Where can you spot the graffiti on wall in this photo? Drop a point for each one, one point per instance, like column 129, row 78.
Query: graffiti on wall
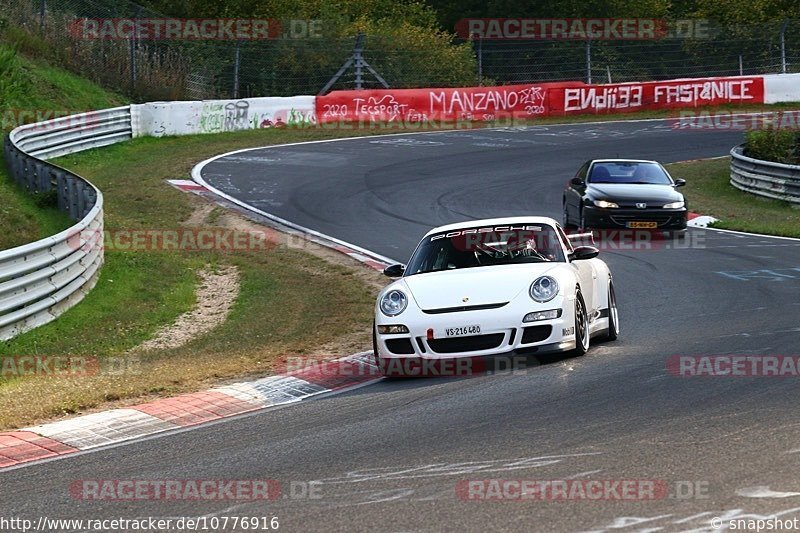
column 216, row 117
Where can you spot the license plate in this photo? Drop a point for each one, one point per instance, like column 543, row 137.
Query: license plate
column 642, row 225
column 462, row 331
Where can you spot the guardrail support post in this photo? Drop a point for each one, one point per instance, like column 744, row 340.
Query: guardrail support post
column 72, row 198
column 61, row 185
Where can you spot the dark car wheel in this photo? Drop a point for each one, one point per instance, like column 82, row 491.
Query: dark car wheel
column 613, row 315
column 581, row 326
column 582, row 224
column 677, row 235
column 566, row 221
column 375, row 351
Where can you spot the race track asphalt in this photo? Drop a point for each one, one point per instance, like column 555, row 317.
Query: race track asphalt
column 388, row 457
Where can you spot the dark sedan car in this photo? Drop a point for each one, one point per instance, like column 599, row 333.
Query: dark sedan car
column 624, row 193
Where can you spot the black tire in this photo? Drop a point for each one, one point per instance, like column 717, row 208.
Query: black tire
column 613, row 315
column 567, row 223
column 581, row 326
column 677, row 235
column 375, row 350
column 582, row 224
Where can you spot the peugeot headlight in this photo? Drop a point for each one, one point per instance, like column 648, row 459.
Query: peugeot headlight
column 605, row 204
column 674, row 205
column 544, row 289
column 393, row 303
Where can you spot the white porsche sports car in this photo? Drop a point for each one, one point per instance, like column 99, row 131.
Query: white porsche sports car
column 492, row 287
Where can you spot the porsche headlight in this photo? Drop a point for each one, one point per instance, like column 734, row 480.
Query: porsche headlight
column 543, row 289
column 674, row 205
column 393, row 303
column 605, row 204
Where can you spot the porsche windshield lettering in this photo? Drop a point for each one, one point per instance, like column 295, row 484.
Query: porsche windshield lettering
column 486, row 246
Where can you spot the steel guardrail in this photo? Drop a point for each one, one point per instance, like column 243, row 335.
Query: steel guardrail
column 765, row 178
column 42, row 279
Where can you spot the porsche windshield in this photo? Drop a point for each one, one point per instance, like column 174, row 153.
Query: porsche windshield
column 486, row 246
column 629, row 172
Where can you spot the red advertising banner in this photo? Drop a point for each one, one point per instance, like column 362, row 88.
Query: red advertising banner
column 628, row 97
column 423, row 105
column 415, row 106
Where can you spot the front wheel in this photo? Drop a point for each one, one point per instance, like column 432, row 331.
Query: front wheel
column 584, row 228
column 567, row 223
column 375, row 348
column 581, row 326
column 676, row 235
column 613, row 314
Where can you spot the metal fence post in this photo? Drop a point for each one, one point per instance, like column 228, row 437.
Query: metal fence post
column 42, row 10
column 589, row 61
column 741, row 65
column 480, row 61
column 359, row 61
column 783, row 46
column 237, row 58
column 133, row 59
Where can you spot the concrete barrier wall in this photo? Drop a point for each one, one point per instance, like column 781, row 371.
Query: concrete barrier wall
column 158, row 119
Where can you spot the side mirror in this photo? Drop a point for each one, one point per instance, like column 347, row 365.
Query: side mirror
column 394, row 271
column 584, row 252
column 577, row 182
column 680, row 182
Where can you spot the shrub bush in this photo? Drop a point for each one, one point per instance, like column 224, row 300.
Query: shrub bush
column 780, row 146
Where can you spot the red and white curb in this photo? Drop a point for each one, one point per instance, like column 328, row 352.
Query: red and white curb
column 370, row 259
column 696, row 220
column 187, row 185
column 87, row 432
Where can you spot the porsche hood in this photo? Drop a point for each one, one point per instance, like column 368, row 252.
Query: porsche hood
column 473, row 286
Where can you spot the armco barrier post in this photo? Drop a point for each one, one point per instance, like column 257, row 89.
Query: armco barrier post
column 43, row 176
column 29, row 175
column 72, row 198
column 81, row 200
column 61, row 187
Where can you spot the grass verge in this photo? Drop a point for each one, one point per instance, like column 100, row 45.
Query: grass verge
column 709, row 192
column 290, row 302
